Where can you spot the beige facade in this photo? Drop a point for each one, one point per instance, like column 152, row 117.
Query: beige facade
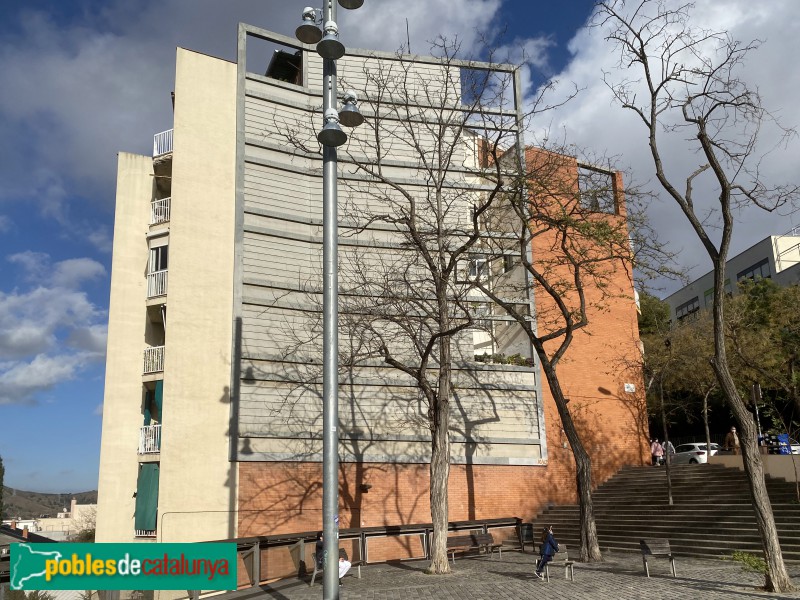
column 183, row 309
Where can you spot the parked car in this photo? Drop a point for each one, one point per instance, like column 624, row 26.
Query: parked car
column 694, row 453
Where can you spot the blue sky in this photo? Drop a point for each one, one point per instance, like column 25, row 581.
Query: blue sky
column 82, row 80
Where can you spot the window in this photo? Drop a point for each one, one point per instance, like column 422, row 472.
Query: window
column 509, row 262
column 482, row 314
column 474, row 269
column 708, row 297
column 146, row 513
column 596, row 188
column 153, row 401
column 158, row 258
column 687, row 309
column 757, row 271
column 286, row 66
column 477, row 267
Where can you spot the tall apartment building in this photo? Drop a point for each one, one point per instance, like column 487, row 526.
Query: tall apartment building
column 776, row 257
column 212, row 411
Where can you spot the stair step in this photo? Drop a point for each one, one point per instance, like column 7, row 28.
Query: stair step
column 711, row 514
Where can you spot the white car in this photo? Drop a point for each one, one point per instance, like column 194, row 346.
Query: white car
column 695, row 453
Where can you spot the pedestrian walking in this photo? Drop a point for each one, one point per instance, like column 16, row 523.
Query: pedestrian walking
column 657, row 452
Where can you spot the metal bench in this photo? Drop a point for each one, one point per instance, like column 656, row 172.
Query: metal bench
column 472, row 541
column 561, row 560
column 659, row 548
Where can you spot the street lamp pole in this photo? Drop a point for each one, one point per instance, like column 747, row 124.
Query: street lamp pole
column 330, row 308
column 330, row 137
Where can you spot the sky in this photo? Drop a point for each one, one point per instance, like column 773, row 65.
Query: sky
column 81, row 80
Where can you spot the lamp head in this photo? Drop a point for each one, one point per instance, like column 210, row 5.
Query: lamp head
column 331, row 134
column 330, row 47
column 308, row 31
column 351, row 4
column 350, row 116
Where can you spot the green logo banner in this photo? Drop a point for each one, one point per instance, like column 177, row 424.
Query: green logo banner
column 123, row 566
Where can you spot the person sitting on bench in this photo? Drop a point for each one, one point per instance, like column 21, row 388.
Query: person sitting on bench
column 344, row 564
column 546, row 551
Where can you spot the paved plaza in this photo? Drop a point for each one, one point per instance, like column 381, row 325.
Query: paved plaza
column 620, row 577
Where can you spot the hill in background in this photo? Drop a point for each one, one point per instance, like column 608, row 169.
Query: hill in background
column 30, row 505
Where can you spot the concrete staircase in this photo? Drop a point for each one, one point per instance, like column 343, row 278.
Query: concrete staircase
column 711, row 516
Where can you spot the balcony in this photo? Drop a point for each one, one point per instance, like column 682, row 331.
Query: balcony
column 157, row 284
column 159, row 211
column 145, row 533
column 162, row 143
column 150, row 439
column 154, row 359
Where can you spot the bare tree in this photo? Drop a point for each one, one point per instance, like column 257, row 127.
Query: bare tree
column 447, row 121
column 686, row 82
column 566, row 229
column 418, row 177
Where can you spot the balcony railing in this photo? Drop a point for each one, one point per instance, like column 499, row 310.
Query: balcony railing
column 145, row 533
column 162, row 143
column 150, row 439
column 154, row 359
column 159, row 211
column 157, row 284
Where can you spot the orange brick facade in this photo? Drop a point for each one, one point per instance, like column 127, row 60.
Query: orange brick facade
column 287, row 497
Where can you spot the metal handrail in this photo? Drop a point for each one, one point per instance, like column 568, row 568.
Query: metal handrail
column 153, row 359
column 162, row 143
column 157, row 283
column 150, row 439
column 250, row 548
column 159, row 210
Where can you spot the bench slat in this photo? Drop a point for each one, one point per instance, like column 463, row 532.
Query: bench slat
column 657, row 547
column 473, row 540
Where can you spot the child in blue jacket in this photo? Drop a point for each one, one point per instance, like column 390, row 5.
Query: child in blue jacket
column 546, row 551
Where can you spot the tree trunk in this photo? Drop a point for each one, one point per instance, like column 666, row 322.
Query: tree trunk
column 440, row 472
column 440, row 454
column 776, row 577
column 590, row 547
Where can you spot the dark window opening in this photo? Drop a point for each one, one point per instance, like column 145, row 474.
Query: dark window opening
column 760, row 270
column 159, row 258
column 286, row 66
column 596, row 190
column 688, row 309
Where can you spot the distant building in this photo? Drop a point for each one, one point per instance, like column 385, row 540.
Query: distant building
column 776, row 257
column 68, row 523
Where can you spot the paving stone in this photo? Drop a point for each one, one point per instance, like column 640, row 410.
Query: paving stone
column 620, row 577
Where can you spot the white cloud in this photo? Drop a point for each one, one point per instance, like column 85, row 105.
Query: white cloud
column 91, row 339
column 39, row 326
column 74, row 271
column 20, row 382
column 592, row 121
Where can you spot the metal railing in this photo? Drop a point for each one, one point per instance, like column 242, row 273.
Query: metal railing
column 154, row 359
column 157, row 284
column 150, row 439
column 162, row 143
column 159, row 211
column 251, row 550
column 145, row 533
